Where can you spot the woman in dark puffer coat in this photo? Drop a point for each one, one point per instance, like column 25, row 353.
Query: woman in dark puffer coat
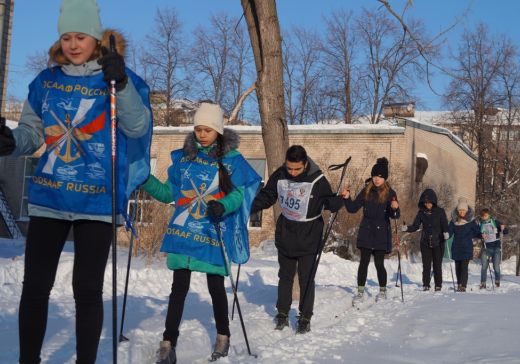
column 463, row 229
column 379, row 203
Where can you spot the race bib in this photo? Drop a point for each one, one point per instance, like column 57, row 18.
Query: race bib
column 294, row 199
column 489, row 232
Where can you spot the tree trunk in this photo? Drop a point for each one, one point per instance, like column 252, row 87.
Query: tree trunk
column 264, row 31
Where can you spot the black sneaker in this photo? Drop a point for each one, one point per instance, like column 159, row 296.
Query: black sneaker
column 437, row 288
column 282, row 320
column 482, row 286
column 304, row 325
column 426, row 288
column 497, row 284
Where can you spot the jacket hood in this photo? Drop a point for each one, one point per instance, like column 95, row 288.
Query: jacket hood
column 470, row 215
column 427, row 195
column 191, row 146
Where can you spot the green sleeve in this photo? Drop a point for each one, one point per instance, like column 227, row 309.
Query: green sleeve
column 160, row 191
column 232, row 200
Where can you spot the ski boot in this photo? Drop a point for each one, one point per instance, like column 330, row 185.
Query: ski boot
column 426, row 288
column 282, row 320
column 304, row 325
column 221, row 347
column 482, row 286
column 438, row 288
column 166, row 353
column 381, row 295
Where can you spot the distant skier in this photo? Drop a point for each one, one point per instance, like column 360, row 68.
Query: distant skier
column 303, row 192
column 463, row 228
column 434, row 223
column 209, row 181
column 379, row 203
column 68, row 111
column 491, row 230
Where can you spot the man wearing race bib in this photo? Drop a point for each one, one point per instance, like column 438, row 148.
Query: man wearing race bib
column 303, row 192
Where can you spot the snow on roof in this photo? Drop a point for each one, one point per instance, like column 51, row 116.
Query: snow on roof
column 303, row 129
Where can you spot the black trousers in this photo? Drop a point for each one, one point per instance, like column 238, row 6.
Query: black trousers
column 429, row 256
column 461, row 269
column 379, row 261
column 180, row 288
column 286, row 274
column 45, row 240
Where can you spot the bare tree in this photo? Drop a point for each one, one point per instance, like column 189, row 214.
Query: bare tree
column 392, row 60
column 163, row 58
column 37, row 62
column 221, row 60
column 209, row 56
column 264, row 32
column 338, row 62
column 476, row 91
column 301, row 61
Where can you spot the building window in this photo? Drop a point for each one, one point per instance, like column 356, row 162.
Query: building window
column 29, row 168
column 255, row 220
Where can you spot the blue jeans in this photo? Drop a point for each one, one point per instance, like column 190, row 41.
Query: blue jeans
column 495, row 255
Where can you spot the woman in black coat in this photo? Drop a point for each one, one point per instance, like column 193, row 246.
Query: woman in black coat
column 379, row 203
column 434, row 224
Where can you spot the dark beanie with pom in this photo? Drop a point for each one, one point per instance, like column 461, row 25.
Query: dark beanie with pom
column 380, row 169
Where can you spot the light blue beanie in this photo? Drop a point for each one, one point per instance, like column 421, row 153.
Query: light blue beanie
column 80, row 16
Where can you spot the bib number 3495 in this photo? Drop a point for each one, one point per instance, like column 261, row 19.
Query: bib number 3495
column 290, row 202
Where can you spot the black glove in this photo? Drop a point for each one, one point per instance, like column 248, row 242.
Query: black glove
column 215, row 209
column 7, row 142
column 113, row 65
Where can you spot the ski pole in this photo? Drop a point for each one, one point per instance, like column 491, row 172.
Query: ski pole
column 327, row 231
column 130, row 250
column 399, row 271
column 113, row 129
column 234, row 299
column 216, row 224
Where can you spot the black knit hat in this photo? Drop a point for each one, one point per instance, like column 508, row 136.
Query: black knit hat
column 380, row 169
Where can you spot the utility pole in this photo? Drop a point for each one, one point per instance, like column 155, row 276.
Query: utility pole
column 6, row 15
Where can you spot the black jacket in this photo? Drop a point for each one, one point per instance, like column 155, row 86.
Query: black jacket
column 375, row 230
column 434, row 222
column 299, row 238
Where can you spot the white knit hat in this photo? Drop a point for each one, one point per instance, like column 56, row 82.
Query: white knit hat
column 463, row 204
column 210, row 115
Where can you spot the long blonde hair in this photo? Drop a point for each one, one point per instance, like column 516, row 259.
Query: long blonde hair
column 382, row 192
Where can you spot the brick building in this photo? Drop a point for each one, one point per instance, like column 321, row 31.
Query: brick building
column 408, row 144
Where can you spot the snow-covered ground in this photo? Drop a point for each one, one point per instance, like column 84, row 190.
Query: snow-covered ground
column 447, row 327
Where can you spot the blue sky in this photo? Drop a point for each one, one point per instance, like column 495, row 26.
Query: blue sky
column 35, row 29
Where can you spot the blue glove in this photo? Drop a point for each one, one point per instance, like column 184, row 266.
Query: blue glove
column 215, row 209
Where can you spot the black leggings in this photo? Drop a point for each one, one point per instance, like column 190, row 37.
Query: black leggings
column 180, row 287
column 461, row 269
column 45, row 240
column 379, row 261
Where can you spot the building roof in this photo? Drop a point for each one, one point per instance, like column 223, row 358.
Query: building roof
column 299, row 129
